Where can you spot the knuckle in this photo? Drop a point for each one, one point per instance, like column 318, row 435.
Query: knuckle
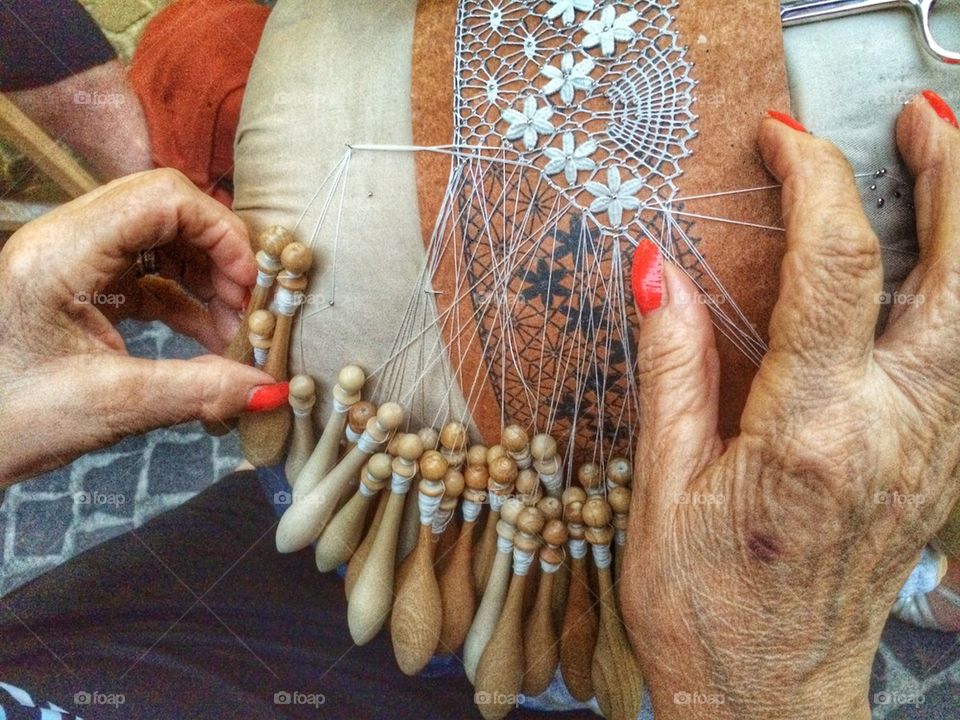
column 847, row 245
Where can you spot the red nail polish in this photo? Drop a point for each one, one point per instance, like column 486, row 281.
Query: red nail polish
column 940, row 107
column 647, row 277
column 268, row 397
column 786, row 120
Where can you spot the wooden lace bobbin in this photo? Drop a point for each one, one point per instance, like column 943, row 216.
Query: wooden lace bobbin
column 500, row 671
column 541, row 650
column 527, row 488
column 616, row 676
column 578, row 635
column 346, row 393
column 261, row 325
column 357, row 417
column 495, row 589
column 456, row 578
column 271, row 242
column 410, row 525
column 371, row 597
column 309, row 514
column 503, row 474
column 445, row 528
column 417, row 614
column 561, row 583
column 619, row 477
column 590, row 478
column 264, row 435
column 546, row 461
column 619, row 499
column 359, row 558
column 340, row 539
column 303, row 396
column 453, row 443
column 517, row 443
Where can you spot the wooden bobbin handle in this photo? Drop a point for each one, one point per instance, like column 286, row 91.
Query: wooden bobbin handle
column 303, row 396
column 306, row 518
column 500, row 671
column 346, row 393
column 343, row 534
column 372, row 595
column 614, row 670
column 541, row 649
column 494, row 591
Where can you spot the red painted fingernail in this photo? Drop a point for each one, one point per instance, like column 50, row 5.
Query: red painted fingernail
column 647, row 277
column 247, row 296
column 786, row 120
column 940, row 107
column 268, row 397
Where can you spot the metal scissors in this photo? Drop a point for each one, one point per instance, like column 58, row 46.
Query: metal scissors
column 799, row 12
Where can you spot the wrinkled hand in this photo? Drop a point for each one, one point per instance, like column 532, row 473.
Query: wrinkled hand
column 67, row 384
column 760, row 572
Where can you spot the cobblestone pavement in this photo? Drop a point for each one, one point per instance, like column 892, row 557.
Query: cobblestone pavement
column 47, row 520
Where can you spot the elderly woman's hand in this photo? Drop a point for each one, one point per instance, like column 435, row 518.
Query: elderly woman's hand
column 67, row 384
column 760, row 572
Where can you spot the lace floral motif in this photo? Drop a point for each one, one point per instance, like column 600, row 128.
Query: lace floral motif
column 597, row 95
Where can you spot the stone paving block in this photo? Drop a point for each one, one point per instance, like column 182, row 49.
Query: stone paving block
column 55, row 481
column 111, row 489
column 177, row 467
column 41, row 527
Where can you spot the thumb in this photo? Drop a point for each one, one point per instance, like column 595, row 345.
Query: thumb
column 678, row 376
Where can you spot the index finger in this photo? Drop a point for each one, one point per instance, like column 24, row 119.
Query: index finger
column 831, row 275
column 96, row 238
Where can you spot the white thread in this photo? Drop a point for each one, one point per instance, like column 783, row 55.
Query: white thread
column 442, row 519
column 601, row 556
column 578, row 548
column 368, row 444
column 265, row 280
column 429, row 503
column 552, row 482
column 352, row 435
column 620, row 537
column 471, row 510
column 399, row 484
column 368, row 491
column 548, row 567
column 302, row 412
column 504, row 544
column 288, row 301
column 521, row 561
column 496, row 501
column 260, row 356
column 339, row 407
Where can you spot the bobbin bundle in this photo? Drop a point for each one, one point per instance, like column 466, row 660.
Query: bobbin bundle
column 457, row 547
